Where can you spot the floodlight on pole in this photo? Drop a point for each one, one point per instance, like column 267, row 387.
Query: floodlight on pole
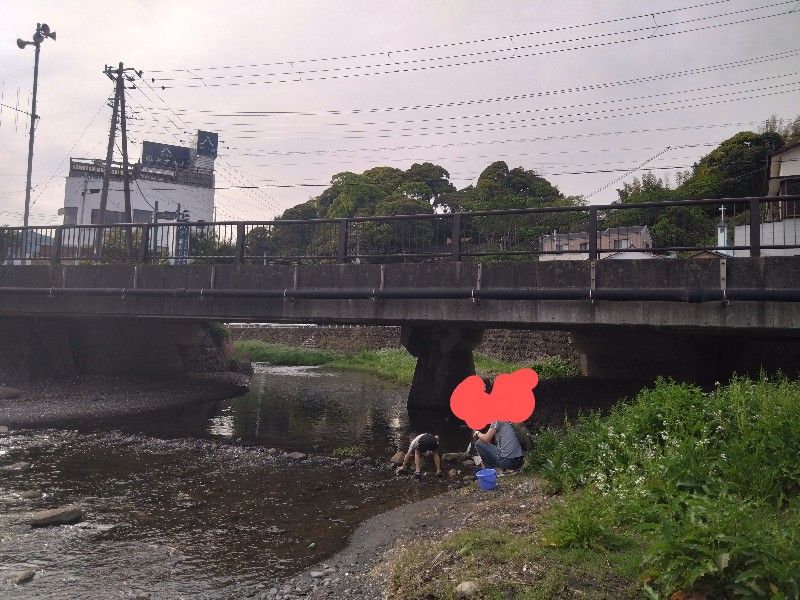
column 42, row 31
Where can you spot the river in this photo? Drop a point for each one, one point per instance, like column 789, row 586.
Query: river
column 188, row 502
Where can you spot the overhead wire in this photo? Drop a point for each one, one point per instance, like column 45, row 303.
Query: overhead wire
column 514, row 97
column 451, row 44
column 392, row 65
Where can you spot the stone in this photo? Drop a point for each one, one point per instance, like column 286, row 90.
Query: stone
column 272, row 451
column 142, row 596
column 17, row 466
column 64, row 515
column 397, row 459
column 466, row 589
column 454, row 456
column 329, row 570
column 9, row 393
column 23, row 576
column 316, row 574
column 468, row 463
column 30, row 494
column 3, row 430
column 365, row 462
column 348, row 462
column 453, row 473
column 296, row 455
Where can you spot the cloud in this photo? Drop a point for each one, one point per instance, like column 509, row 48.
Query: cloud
column 511, row 399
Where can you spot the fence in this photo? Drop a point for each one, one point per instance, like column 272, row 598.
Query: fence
column 745, row 227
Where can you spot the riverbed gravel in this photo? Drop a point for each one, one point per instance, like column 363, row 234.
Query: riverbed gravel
column 59, row 402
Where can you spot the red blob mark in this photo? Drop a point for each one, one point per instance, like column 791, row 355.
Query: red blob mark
column 511, row 399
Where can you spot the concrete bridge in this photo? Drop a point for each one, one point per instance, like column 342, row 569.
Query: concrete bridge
column 688, row 318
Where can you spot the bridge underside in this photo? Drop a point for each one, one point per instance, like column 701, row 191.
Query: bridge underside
column 694, row 319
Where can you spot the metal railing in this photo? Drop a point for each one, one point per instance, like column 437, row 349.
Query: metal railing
column 751, row 228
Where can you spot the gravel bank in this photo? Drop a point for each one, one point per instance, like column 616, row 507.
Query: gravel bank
column 61, row 402
column 362, row 568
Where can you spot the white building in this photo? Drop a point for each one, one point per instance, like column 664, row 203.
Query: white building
column 167, row 177
column 781, row 219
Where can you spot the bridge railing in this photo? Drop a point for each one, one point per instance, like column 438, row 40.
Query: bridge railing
column 729, row 226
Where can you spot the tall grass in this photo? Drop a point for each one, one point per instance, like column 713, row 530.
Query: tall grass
column 710, row 481
column 394, row 364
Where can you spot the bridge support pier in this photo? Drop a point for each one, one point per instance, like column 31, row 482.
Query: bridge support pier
column 444, row 359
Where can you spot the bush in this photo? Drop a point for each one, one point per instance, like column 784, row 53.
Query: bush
column 348, row 452
column 710, row 480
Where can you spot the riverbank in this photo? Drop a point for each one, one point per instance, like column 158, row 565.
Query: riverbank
column 68, row 401
column 388, row 363
column 428, row 548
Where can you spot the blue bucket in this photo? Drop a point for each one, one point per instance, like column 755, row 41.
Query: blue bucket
column 487, row 479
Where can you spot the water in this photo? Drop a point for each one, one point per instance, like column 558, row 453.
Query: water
column 188, row 503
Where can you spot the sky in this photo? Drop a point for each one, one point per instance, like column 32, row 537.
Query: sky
column 583, row 92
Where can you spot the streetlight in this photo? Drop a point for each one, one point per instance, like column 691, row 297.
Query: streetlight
column 42, row 31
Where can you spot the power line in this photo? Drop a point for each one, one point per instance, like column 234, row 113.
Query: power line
column 392, row 65
column 533, row 122
column 514, row 97
column 624, row 175
column 527, row 111
column 447, row 44
column 260, row 152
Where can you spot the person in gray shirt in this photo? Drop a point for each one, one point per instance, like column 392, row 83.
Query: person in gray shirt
column 499, row 447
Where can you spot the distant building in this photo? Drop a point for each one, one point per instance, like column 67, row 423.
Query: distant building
column 780, row 220
column 171, row 176
column 610, row 241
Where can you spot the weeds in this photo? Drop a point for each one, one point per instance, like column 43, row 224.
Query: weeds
column 710, row 480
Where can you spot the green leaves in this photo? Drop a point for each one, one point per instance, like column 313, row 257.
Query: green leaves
column 709, row 480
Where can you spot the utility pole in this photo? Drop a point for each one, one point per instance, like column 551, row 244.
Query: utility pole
column 42, row 31
column 117, row 111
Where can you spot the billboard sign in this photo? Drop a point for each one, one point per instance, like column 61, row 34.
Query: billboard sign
column 165, row 156
column 207, row 144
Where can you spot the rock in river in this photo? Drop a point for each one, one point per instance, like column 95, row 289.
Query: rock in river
column 23, row 576
column 296, row 455
column 30, row 494
column 17, row 466
column 9, row 393
column 3, row 430
column 397, row 458
column 64, row 515
column 466, row 589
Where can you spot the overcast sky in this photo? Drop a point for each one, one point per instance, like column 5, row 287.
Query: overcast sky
column 531, row 49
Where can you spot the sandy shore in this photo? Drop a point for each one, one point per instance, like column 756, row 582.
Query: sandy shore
column 58, row 402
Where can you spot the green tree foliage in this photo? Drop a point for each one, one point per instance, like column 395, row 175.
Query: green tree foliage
column 204, row 243
column 734, row 169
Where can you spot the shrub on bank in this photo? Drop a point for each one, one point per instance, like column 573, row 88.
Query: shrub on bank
column 708, row 482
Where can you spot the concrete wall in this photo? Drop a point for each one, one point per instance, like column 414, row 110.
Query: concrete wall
column 32, row 349
column 505, row 344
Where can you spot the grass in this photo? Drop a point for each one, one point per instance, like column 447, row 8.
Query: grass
column 709, row 482
column 393, row 364
column 506, row 564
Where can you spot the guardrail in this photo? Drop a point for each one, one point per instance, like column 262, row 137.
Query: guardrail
column 749, row 226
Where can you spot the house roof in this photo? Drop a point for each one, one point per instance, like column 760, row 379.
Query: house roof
column 629, row 229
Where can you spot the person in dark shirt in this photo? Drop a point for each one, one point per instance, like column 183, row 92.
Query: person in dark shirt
column 424, row 442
